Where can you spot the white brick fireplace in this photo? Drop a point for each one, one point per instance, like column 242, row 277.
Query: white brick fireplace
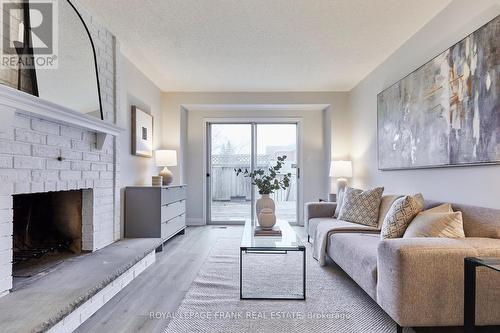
column 38, row 155
column 46, row 148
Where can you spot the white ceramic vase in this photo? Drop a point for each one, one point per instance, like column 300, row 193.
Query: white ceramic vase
column 266, row 218
column 264, row 202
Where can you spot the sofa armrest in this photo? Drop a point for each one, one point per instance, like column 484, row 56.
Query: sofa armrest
column 319, row 209
column 420, row 282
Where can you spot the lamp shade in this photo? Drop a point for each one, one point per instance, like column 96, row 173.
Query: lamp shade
column 341, row 169
column 165, row 158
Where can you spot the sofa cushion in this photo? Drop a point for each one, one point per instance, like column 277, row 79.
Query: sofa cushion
column 356, row 254
column 402, row 212
column 361, row 206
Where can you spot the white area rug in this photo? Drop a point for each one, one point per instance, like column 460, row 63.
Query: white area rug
column 334, row 303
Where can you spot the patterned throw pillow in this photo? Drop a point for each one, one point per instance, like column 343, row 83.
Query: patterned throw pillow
column 402, row 212
column 361, row 206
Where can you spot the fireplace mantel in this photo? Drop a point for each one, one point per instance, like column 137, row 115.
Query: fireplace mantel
column 13, row 101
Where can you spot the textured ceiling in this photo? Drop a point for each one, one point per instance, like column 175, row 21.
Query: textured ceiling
column 261, row 45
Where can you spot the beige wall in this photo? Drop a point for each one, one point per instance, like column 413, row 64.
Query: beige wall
column 136, row 89
column 335, row 134
column 470, row 185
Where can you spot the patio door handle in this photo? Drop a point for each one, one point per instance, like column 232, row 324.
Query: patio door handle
column 208, row 175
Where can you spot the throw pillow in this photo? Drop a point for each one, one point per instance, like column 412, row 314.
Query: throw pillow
column 360, row 206
column 385, row 205
column 401, row 213
column 440, row 221
column 340, row 200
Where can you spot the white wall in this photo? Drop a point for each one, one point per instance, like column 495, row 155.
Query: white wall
column 478, row 185
column 136, row 89
column 319, row 147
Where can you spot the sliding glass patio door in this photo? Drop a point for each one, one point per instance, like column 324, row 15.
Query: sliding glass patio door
column 249, row 146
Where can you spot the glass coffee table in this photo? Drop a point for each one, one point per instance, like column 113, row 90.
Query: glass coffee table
column 271, row 245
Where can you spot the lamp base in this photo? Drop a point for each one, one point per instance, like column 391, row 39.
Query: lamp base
column 167, row 175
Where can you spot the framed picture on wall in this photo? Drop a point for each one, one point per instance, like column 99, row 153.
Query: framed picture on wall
column 446, row 112
column 142, row 132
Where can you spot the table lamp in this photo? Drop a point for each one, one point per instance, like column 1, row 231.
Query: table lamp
column 166, row 158
column 341, row 170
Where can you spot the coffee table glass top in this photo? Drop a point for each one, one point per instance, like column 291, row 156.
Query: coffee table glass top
column 287, row 241
column 493, row 263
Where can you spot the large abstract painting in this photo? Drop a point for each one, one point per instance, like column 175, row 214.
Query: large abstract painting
column 447, row 112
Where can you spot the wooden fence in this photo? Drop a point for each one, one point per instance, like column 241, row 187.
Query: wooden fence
column 226, row 186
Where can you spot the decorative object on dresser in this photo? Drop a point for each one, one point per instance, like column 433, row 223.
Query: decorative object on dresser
column 155, row 211
column 267, row 182
column 142, row 132
column 445, row 113
column 340, row 170
column 157, row 180
column 166, row 158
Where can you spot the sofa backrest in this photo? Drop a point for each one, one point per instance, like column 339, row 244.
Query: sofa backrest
column 478, row 221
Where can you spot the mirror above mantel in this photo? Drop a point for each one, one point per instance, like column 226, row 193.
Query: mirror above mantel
column 60, row 68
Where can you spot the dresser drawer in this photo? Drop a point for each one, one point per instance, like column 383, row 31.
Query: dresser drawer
column 172, row 210
column 172, row 194
column 168, row 229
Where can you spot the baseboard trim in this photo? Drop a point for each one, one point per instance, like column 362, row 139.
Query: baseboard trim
column 195, row 221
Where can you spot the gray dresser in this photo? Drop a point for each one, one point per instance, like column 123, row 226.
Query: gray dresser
column 155, row 211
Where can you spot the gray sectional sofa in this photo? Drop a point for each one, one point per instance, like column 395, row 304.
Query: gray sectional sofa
column 417, row 281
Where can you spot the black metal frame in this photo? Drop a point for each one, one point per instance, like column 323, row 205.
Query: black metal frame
column 274, row 251
column 470, row 265
column 95, row 56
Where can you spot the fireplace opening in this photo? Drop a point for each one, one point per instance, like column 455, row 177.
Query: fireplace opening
column 47, row 230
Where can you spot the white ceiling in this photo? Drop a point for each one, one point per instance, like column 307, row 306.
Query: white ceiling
column 261, row 45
